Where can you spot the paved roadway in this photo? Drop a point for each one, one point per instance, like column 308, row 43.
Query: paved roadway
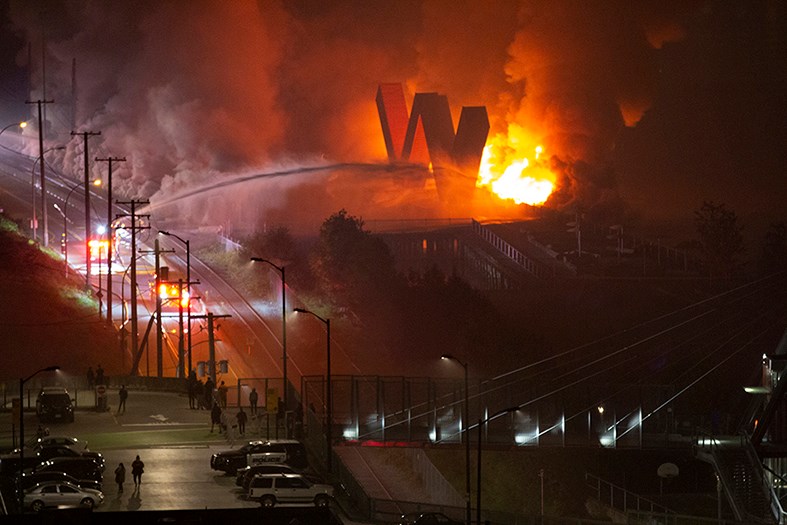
column 174, row 442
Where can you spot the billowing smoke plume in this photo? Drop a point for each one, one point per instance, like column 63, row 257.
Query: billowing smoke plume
column 191, row 92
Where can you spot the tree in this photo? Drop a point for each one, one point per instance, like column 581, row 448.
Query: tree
column 774, row 249
column 720, row 239
column 352, row 266
column 276, row 244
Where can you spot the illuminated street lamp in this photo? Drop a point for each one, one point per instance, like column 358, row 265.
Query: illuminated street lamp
column 22, row 429
column 22, row 125
column 188, row 305
column 328, row 401
column 283, row 329
column 43, row 201
column 465, row 419
column 64, row 213
column 481, row 423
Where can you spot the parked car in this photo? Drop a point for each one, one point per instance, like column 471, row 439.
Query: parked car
column 287, row 451
column 428, row 518
column 79, row 467
column 63, row 451
column 245, row 474
column 30, row 479
column 61, row 494
column 272, row 489
column 54, row 404
column 9, row 463
column 48, row 441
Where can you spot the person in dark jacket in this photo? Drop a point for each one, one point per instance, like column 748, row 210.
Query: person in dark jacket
column 137, row 468
column 215, row 417
column 120, row 476
column 242, row 418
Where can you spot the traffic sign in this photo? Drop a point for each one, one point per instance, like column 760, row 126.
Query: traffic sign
column 101, row 390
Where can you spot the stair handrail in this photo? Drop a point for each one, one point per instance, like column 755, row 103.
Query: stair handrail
column 600, row 483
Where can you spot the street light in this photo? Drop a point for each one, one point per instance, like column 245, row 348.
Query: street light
column 22, row 429
column 43, row 201
column 329, row 404
column 188, row 305
column 449, row 357
column 481, row 423
column 64, row 213
column 283, row 329
column 22, row 125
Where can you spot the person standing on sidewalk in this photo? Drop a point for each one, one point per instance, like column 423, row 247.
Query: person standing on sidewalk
column 253, row 396
column 137, row 468
column 242, row 417
column 222, row 392
column 215, row 417
column 123, row 394
column 120, row 476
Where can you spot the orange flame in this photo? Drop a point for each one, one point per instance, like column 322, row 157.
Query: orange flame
column 510, row 174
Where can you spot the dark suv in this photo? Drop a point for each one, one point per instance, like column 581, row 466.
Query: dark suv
column 54, row 404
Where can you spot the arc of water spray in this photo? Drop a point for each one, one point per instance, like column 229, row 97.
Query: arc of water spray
column 267, row 175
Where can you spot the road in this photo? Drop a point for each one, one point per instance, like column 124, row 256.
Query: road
column 251, row 347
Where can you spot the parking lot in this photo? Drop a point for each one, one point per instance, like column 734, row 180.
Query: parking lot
column 174, row 442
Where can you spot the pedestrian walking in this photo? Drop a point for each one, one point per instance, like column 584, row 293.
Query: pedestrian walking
column 123, row 394
column 253, row 396
column 91, row 378
column 215, row 417
column 99, row 375
column 137, row 468
column 120, row 476
column 241, row 417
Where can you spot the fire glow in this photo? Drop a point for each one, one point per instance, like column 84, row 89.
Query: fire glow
column 520, row 180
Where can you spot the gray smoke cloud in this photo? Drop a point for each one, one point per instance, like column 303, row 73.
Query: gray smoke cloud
column 192, row 92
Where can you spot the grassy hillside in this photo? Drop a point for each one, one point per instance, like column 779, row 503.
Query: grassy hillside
column 45, row 317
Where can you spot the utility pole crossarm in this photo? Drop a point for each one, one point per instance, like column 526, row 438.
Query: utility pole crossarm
column 211, row 342
column 110, row 231
column 85, row 135
column 133, row 267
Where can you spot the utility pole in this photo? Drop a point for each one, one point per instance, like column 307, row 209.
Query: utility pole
column 134, row 320
column 85, row 135
column 110, row 233
column 39, row 103
column 157, row 251
column 181, row 332
column 211, row 343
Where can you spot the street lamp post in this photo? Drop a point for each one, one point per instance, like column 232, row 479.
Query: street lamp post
column 481, row 423
column 328, row 394
column 22, row 429
column 465, row 419
column 64, row 213
column 33, row 192
column 22, row 125
column 188, row 305
column 283, row 330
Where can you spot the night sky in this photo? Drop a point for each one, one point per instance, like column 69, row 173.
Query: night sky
column 643, row 108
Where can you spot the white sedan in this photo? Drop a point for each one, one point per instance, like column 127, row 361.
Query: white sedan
column 61, row 494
